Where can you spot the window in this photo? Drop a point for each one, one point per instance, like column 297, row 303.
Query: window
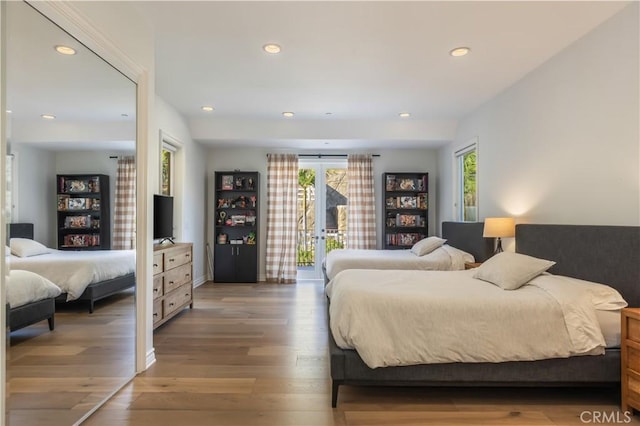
column 167, row 162
column 466, row 161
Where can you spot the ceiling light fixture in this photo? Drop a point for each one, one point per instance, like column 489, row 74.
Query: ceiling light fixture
column 48, row 116
column 271, row 48
column 9, row 111
column 65, row 50
column 405, row 114
column 207, row 108
column 288, row 114
column 459, row 51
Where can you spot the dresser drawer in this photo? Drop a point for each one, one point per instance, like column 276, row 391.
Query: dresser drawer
column 158, row 263
column 633, row 359
column 177, row 257
column 633, row 329
column 157, row 311
column 177, row 298
column 176, row 277
column 158, row 282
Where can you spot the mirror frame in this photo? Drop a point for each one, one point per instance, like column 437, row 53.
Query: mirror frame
column 66, row 16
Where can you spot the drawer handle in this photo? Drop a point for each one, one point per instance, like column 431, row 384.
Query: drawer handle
column 187, row 275
column 155, row 315
column 171, row 304
column 172, row 260
column 155, row 290
column 187, row 294
column 155, row 265
column 170, row 282
column 187, row 255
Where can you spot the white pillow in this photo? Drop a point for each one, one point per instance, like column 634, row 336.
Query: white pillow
column 25, row 287
column 24, row 247
column 427, row 245
column 511, row 271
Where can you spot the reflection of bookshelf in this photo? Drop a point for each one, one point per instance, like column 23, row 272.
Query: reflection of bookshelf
column 405, row 209
column 83, row 212
column 235, row 254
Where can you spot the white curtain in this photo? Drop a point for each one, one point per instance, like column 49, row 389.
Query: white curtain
column 124, row 215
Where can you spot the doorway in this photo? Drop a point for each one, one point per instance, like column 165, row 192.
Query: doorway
column 322, row 213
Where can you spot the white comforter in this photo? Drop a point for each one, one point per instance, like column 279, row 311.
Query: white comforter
column 414, row 317
column 73, row 271
column 25, row 287
column 445, row 258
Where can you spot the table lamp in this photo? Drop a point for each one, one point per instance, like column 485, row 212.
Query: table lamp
column 499, row 227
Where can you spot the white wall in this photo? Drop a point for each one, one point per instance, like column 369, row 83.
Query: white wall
column 36, row 191
column 255, row 159
column 189, row 185
column 562, row 145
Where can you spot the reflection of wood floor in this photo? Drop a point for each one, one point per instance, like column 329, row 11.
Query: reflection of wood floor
column 54, row 378
column 256, row 355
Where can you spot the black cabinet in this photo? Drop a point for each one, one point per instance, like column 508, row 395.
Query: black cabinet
column 405, row 209
column 83, row 220
column 235, row 255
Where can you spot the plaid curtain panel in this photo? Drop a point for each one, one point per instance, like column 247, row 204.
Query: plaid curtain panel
column 361, row 208
column 124, row 213
column 282, row 219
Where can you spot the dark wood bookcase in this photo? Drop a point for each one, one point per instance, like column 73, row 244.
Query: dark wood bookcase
column 406, row 218
column 84, row 221
column 235, row 254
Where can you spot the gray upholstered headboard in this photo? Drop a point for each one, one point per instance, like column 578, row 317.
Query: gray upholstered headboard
column 604, row 254
column 467, row 236
column 21, row 230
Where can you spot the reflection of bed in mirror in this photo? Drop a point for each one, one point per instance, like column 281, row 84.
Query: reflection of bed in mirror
column 84, row 276
column 30, row 299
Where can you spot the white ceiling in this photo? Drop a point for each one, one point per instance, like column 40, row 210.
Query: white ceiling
column 363, row 62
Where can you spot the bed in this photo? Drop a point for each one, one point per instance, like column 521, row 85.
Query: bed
column 30, row 299
column 464, row 244
column 601, row 254
column 82, row 275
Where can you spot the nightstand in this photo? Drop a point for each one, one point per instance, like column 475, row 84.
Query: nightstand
column 471, row 265
column 630, row 359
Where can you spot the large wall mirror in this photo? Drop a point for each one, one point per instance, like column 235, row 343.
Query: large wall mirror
column 69, row 114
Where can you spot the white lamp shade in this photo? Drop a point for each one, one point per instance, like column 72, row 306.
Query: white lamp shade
column 499, row 227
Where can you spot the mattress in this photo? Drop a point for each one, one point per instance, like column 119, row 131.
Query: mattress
column 610, row 325
column 73, row 271
column 445, row 258
column 395, row 318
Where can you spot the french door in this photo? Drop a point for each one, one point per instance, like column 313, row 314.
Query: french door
column 322, row 213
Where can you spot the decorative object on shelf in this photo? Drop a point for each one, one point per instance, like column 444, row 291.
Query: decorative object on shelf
column 250, row 186
column 239, row 182
column 222, row 238
column 222, row 215
column 227, row 182
column 499, row 227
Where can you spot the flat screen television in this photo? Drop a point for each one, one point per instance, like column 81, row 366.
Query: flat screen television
column 162, row 217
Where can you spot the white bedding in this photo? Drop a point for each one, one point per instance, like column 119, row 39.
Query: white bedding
column 73, row 271
column 415, row 317
column 25, row 287
column 445, row 258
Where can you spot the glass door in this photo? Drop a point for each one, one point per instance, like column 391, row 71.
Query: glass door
column 322, row 213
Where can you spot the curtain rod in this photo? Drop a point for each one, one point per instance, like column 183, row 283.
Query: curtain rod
column 329, row 155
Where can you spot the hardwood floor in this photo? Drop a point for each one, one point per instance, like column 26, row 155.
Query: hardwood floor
column 55, row 377
column 256, row 355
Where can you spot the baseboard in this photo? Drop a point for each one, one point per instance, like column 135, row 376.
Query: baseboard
column 199, row 281
column 151, row 358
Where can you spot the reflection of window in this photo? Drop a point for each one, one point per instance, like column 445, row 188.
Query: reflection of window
column 466, row 183
column 167, row 163
column 10, row 193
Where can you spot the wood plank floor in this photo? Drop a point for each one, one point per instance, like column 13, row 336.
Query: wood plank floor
column 55, row 377
column 256, row 355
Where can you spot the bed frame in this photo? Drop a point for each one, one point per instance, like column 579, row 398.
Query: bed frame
column 93, row 292
column 605, row 254
column 466, row 236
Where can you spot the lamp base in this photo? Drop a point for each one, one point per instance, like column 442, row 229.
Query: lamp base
column 498, row 246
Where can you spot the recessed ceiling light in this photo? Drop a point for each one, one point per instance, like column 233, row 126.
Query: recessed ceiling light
column 328, row 113
column 124, row 115
column 207, row 108
column 459, row 51
column 65, row 50
column 271, row 48
column 288, row 114
column 9, row 111
column 405, row 114
column 48, row 116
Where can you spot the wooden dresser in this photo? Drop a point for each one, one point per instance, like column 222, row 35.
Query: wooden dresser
column 172, row 280
column 630, row 355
